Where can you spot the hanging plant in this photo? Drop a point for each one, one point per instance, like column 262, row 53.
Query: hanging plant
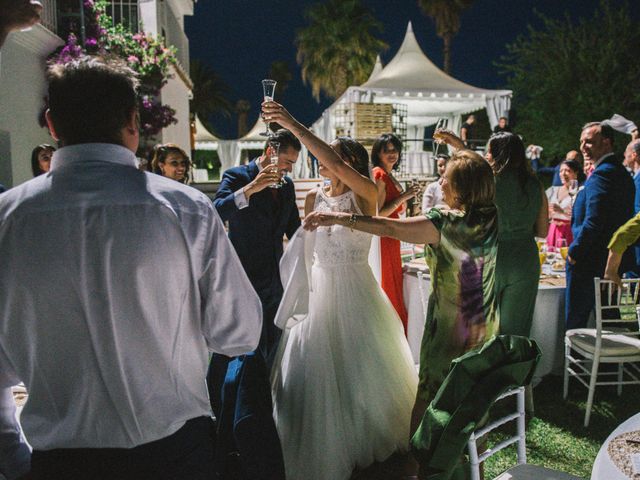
column 146, row 55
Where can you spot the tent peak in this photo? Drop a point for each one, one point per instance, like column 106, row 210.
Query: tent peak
column 409, row 27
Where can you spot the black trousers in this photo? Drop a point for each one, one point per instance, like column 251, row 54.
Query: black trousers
column 185, row 455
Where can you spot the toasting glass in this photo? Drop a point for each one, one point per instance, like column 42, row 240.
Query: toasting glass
column 268, row 89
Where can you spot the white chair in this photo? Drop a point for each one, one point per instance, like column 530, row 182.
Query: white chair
column 618, row 344
column 522, row 471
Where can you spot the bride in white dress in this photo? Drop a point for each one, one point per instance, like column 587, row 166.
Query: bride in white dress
column 343, row 380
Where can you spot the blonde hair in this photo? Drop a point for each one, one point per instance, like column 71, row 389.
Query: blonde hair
column 471, row 179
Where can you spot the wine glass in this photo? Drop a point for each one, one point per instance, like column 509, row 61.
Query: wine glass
column 274, row 148
column 572, row 189
column 561, row 245
column 268, row 89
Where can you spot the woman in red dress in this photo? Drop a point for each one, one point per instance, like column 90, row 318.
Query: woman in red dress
column 385, row 157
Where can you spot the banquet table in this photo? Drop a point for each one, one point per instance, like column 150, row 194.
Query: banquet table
column 548, row 318
column 614, row 452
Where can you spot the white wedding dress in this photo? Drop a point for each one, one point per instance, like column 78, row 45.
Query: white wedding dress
column 343, row 380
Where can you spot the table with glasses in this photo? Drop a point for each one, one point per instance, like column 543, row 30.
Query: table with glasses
column 548, row 318
column 614, row 460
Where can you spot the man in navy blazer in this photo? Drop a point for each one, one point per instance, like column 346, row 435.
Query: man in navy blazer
column 259, row 217
column 605, row 203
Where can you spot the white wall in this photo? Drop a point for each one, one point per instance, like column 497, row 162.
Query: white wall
column 157, row 16
column 22, row 89
column 176, row 94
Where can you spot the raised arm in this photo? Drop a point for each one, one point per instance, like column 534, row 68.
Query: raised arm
column 363, row 187
column 447, row 136
column 417, row 230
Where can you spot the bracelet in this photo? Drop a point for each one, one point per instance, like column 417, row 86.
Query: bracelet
column 352, row 221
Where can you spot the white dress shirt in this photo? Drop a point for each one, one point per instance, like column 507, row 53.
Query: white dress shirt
column 432, row 196
column 239, row 198
column 113, row 283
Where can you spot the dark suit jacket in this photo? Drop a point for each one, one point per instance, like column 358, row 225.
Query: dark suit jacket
column 257, row 231
column 605, row 203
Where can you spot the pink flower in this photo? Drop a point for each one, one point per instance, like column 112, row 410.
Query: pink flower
column 133, row 59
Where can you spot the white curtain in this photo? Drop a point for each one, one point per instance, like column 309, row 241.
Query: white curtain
column 498, row 107
column 229, row 153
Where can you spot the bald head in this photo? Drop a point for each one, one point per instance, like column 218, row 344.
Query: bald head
column 632, row 155
column 574, row 155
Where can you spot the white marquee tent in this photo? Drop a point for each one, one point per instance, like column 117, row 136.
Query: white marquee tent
column 430, row 94
column 230, row 151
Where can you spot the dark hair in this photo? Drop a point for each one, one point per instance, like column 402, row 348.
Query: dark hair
column 91, row 99
column 573, row 165
column 604, row 128
column 357, row 153
column 471, row 180
column 503, row 118
column 285, row 138
column 35, row 165
column 381, row 143
column 508, row 154
column 635, row 145
column 160, row 154
column 443, row 156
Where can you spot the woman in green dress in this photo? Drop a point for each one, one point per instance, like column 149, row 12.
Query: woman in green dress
column 522, row 216
column 461, row 253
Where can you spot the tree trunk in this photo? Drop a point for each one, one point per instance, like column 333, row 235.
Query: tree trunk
column 448, row 37
column 242, row 109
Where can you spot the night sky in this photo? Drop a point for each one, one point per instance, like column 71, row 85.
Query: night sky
column 240, row 39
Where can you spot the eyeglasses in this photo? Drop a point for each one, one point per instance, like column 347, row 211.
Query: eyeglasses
column 176, row 163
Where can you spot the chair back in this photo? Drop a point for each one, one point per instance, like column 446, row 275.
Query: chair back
column 616, row 308
column 475, row 459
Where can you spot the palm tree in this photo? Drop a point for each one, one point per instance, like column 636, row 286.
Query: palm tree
column 281, row 73
column 446, row 14
column 210, row 93
column 337, row 49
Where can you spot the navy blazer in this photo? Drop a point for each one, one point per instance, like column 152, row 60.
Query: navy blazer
column 601, row 207
column 257, row 231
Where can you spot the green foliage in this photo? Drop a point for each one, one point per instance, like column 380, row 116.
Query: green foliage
column 210, row 93
column 337, row 49
column 568, row 73
column 281, row 73
column 210, row 160
column 445, row 14
column 146, row 55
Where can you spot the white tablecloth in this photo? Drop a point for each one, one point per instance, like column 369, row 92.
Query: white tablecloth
column 547, row 328
column 603, row 467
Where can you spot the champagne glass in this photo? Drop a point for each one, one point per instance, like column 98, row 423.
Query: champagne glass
column 561, row 245
column 268, row 89
column 274, row 148
column 572, row 189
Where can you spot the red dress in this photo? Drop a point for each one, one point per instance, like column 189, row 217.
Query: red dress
column 390, row 252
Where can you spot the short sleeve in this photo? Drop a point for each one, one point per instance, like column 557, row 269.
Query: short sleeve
column 437, row 217
column 378, row 173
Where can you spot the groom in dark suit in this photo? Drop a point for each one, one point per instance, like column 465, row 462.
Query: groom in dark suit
column 259, row 217
column 601, row 207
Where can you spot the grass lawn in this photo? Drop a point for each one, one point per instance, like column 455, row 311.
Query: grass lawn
column 556, row 437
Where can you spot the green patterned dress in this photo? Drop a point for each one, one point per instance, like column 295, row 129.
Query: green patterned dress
column 462, row 312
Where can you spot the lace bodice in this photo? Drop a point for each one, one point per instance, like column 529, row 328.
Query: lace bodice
column 338, row 245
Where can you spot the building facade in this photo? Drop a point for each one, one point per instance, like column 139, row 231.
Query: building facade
column 23, row 86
